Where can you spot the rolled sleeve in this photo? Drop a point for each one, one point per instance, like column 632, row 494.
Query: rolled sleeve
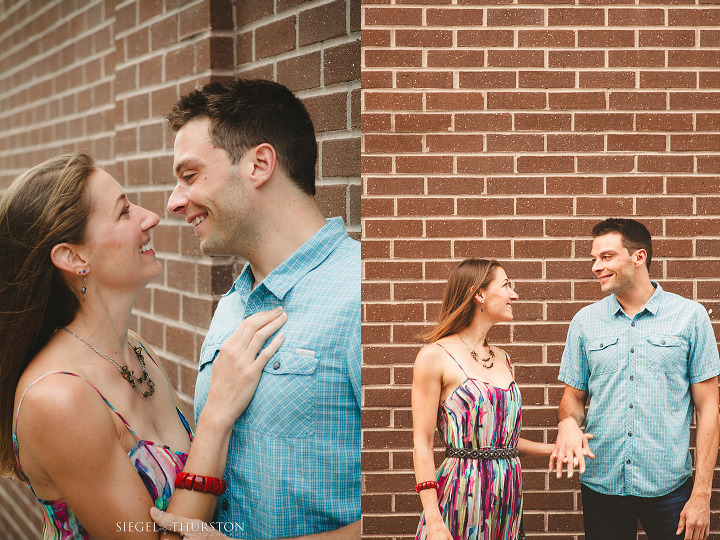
column 703, row 359
column 574, row 369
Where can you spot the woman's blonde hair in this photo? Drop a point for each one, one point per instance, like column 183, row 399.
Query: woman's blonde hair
column 43, row 207
column 457, row 309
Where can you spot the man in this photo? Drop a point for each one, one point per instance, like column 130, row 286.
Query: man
column 245, row 155
column 644, row 357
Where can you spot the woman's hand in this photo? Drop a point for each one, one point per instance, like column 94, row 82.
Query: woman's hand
column 238, row 366
column 437, row 530
column 185, row 527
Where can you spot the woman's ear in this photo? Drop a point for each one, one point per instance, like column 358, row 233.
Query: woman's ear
column 264, row 162
column 67, row 257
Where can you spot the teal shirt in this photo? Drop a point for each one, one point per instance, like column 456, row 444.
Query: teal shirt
column 294, row 460
column 637, row 372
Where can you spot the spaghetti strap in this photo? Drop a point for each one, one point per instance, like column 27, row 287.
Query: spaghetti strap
column 507, row 361
column 454, row 360
column 79, row 377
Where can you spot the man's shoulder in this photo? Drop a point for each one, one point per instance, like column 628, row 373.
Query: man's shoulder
column 594, row 310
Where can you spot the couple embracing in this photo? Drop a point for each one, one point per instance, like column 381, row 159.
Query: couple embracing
column 645, row 358
column 88, row 415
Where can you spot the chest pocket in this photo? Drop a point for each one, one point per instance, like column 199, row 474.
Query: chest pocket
column 666, row 354
column 603, row 355
column 285, row 402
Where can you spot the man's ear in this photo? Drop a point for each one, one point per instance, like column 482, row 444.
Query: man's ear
column 640, row 256
column 264, row 161
column 69, row 258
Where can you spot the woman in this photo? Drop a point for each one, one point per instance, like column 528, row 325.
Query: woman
column 466, row 386
column 88, row 415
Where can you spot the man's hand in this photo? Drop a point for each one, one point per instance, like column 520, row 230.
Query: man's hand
column 695, row 518
column 571, row 447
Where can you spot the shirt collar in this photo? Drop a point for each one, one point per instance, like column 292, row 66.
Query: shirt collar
column 291, row 270
column 652, row 305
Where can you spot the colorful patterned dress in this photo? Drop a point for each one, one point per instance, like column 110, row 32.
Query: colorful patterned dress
column 157, row 465
column 479, row 499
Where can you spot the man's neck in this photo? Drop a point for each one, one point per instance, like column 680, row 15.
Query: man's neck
column 634, row 300
column 282, row 237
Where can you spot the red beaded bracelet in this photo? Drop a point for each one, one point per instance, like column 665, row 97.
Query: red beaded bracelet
column 426, row 485
column 203, row 484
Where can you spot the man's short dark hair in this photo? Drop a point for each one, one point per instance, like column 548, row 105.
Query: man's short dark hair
column 244, row 113
column 634, row 234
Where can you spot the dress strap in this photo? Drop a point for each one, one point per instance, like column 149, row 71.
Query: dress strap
column 507, row 360
column 454, row 359
column 79, row 377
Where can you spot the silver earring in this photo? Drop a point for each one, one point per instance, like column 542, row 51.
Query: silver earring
column 83, row 289
column 481, row 306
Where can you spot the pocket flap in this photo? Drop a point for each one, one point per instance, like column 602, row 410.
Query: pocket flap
column 665, row 341
column 289, row 362
column 601, row 343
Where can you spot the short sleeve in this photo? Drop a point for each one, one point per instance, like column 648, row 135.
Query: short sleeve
column 574, row 369
column 703, row 360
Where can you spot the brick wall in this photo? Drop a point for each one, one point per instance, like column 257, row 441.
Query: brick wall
column 100, row 75
column 507, row 131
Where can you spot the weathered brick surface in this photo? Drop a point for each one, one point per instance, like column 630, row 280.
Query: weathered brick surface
column 99, row 77
column 507, row 131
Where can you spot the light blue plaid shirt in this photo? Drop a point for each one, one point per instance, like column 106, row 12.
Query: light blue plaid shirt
column 294, row 459
column 638, row 373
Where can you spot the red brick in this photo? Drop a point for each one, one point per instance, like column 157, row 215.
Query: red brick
column 607, row 79
column 390, row 144
column 424, row 164
column 402, row 16
column 605, row 164
column 606, row 38
column 454, row 101
column 516, row 100
column 694, row 17
column 455, row 58
column 564, row 185
column 515, row 143
column 577, row 101
column 577, row 143
column 576, row 59
column 546, row 79
column 455, row 228
column 422, row 79
column 635, row 142
column 376, row 38
column 694, row 100
column 574, row 16
column 634, row 184
column 636, row 58
column 454, row 143
column 427, row 122
column 696, row 58
column 544, row 206
column 393, row 101
column 668, row 79
column 275, row 38
column 665, row 164
column 485, row 38
column 322, row 23
column 392, row 58
column 638, row 100
column 667, row 38
column 484, row 164
column 485, row 206
column 453, row 16
column 423, row 38
column 691, row 143
column 546, row 38
column 456, row 185
column 636, row 17
column 664, row 206
column 515, row 58
column 544, row 122
column 514, row 17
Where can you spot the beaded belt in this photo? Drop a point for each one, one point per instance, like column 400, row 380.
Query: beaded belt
column 482, row 453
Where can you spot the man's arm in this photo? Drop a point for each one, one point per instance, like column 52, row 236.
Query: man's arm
column 695, row 516
column 571, row 445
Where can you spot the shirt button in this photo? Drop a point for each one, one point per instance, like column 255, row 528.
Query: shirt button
column 628, row 462
column 663, row 342
column 632, row 350
column 224, row 504
column 276, row 364
column 632, row 378
column 601, row 345
column 631, row 405
column 629, row 433
column 632, row 324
